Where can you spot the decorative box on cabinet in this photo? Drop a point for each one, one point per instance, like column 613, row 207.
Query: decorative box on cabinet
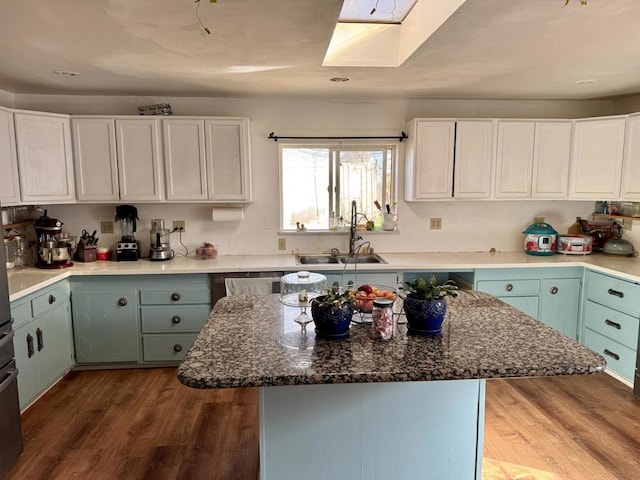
column 9, row 183
column 42, row 341
column 611, row 319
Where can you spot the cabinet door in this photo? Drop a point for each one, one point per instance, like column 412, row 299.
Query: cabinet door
column 228, row 161
column 24, row 345
column 9, row 186
column 596, row 168
column 139, row 173
column 95, row 159
column 551, row 157
column 631, row 163
column 429, row 167
column 514, row 158
column 474, row 154
column 184, row 159
column 105, row 326
column 44, row 158
column 559, row 304
column 53, row 344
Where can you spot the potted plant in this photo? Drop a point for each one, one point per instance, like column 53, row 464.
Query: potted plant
column 425, row 304
column 332, row 312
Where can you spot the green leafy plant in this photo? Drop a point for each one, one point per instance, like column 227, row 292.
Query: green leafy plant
column 421, row 289
column 336, row 297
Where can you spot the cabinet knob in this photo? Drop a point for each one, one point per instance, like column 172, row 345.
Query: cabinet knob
column 175, row 296
column 177, row 348
column 508, row 287
column 52, row 299
column 122, row 302
column 176, row 319
column 553, row 290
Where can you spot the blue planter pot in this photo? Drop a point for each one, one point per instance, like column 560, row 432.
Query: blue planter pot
column 424, row 317
column 330, row 322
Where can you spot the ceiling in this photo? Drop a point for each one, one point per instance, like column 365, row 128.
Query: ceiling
column 499, row 49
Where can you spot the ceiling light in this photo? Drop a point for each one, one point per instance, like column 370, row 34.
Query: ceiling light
column 339, row 79
column 66, row 73
column 375, row 11
column 586, row 81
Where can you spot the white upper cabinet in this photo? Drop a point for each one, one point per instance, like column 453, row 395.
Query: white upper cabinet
column 551, row 159
column 631, row 163
column 95, row 159
column 429, row 159
column 9, row 184
column 184, row 159
column 44, row 157
column 474, row 155
column 514, row 158
column 598, row 146
column 138, row 150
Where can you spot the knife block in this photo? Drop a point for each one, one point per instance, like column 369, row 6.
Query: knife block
column 86, row 253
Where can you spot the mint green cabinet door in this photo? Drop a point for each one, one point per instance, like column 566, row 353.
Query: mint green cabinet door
column 105, row 325
column 528, row 305
column 559, row 304
column 24, row 345
column 53, row 344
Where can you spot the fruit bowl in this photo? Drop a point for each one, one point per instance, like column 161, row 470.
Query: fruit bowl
column 366, row 293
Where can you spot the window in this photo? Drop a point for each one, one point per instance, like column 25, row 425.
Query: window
column 319, row 182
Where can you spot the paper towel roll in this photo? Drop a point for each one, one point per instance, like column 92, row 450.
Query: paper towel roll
column 228, row 214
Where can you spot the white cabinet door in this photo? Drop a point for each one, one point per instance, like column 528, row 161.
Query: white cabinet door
column 228, row 162
column 44, row 157
column 139, row 171
column 9, row 184
column 596, row 168
column 95, row 159
column 514, row 158
column 474, row 159
column 184, row 159
column 429, row 162
column 551, row 157
column 631, row 163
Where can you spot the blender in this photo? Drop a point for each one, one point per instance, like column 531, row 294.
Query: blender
column 160, row 243
column 127, row 249
column 53, row 251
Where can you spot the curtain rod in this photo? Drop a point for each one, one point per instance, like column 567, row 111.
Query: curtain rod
column 275, row 138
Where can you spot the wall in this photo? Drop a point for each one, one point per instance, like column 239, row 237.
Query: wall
column 7, row 99
column 466, row 225
column 627, row 105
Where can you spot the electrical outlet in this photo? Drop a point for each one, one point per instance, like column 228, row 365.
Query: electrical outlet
column 179, row 225
column 538, row 219
column 627, row 224
column 106, row 227
column 435, row 223
column 282, row 244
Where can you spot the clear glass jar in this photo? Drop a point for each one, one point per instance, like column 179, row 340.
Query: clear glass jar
column 10, row 252
column 382, row 315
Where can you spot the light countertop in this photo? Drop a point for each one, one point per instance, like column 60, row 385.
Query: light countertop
column 23, row 282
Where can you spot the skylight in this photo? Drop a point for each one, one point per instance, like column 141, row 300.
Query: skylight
column 375, row 11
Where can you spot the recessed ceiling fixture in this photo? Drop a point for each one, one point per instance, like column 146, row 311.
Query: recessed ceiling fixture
column 339, row 79
column 66, row 73
column 586, row 81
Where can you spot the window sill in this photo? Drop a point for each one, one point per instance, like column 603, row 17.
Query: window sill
column 337, row 232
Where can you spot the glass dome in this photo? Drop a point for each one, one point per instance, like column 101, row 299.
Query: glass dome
column 298, row 288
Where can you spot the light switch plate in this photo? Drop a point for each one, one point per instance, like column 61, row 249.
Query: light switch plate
column 282, row 244
column 435, row 223
column 106, row 227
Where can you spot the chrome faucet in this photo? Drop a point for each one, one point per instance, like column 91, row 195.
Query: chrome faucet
column 353, row 238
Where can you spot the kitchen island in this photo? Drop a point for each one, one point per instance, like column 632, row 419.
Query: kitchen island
column 412, row 407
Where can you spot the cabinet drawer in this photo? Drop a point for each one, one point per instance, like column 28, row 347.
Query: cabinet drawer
column 620, row 359
column 49, row 300
column 21, row 314
column 184, row 318
column 164, row 348
column 503, row 288
column 174, row 296
column 612, row 324
column 614, row 293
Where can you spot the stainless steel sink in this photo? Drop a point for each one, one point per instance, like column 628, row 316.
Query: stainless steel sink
column 331, row 259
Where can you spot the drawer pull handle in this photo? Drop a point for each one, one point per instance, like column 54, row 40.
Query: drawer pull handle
column 615, row 293
column 508, row 287
column 176, row 319
column 553, row 290
column 40, row 339
column 175, row 296
column 52, row 299
column 613, row 324
column 615, row 356
column 122, row 302
column 30, row 351
column 177, row 348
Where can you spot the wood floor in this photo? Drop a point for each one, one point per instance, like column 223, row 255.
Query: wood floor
column 143, row 424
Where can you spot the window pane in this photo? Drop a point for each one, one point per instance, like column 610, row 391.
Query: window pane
column 361, row 173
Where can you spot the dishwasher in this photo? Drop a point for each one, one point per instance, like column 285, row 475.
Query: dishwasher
column 269, row 282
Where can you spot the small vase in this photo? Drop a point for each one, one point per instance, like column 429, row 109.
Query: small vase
column 425, row 317
column 331, row 322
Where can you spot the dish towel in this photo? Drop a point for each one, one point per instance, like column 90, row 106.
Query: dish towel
column 255, row 286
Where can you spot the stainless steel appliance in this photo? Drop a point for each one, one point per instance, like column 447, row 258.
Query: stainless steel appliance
column 160, row 241
column 53, row 251
column 10, row 428
column 128, row 248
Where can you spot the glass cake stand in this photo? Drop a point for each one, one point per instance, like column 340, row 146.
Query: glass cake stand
column 296, row 291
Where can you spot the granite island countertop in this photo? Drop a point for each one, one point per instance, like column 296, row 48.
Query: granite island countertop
column 240, row 346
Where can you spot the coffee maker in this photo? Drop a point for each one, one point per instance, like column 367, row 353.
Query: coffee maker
column 53, row 251
column 160, row 243
column 128, row 248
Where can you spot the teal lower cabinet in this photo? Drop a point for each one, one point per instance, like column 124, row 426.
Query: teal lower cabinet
column 43, row 340
column 560, row 304
column 138, row 319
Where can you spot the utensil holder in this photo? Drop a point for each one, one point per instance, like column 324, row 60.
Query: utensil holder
column 86, row 253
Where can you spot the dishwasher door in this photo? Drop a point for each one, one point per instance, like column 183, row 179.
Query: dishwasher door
column 10, row 429
column 218, row 288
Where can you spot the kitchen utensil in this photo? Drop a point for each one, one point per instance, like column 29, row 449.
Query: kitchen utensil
column 574, row 244
column 540, row 239
column 389, row 221
column 619, row 246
